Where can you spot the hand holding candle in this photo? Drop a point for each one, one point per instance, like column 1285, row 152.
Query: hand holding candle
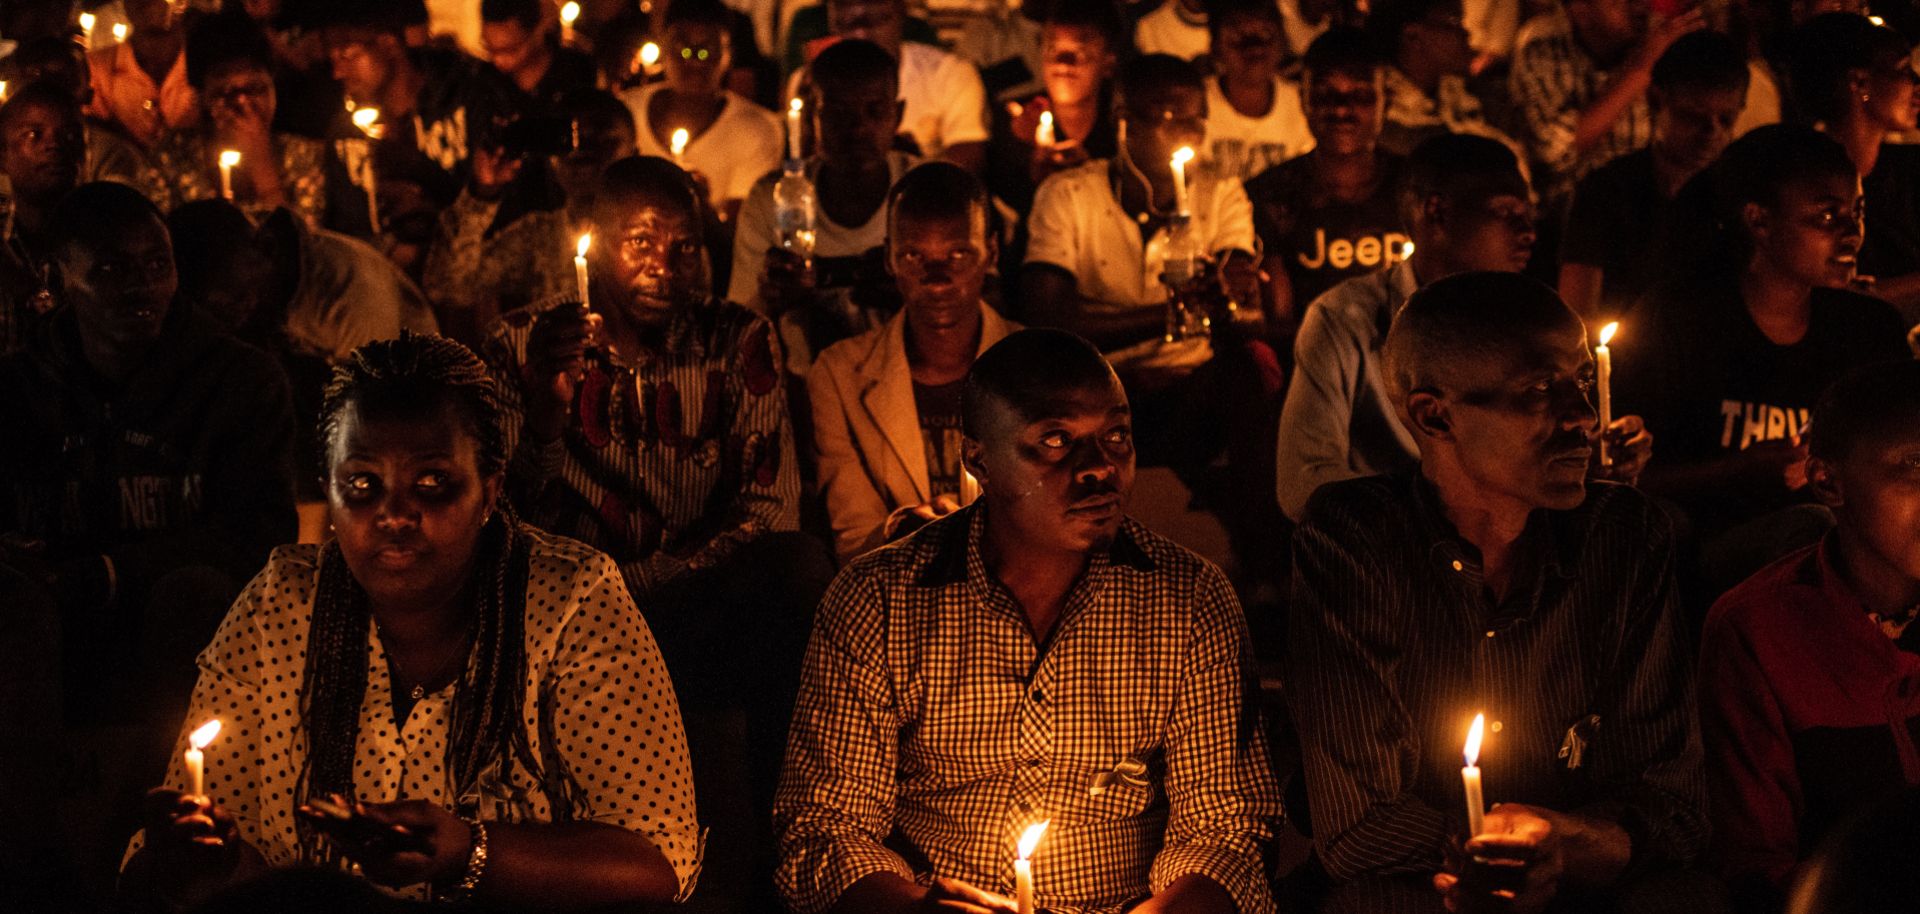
column 1023, row 866
column 569, row 14
column 1043, row 135
column 1470, row 775
column 120, row 31
column 1181, row 157
column 678, row 146
column 580, row 268
column 197, row 756
column 1603, row 382
column 228, row 159
column 87, row 22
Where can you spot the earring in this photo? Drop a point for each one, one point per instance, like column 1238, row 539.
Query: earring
column 1863, row 96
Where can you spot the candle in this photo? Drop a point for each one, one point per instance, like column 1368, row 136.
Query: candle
column 649, row 56
column 228, row 159
column 793, row 128
column 1476, row 803
column 679, row 145
column 580, row 266
column 569, row 13
column 197, row 755
column 1023, row 866
column 3, row 90
column 969, row 487
column 368, row 120
column 120, row 31
column 87, row 21
column 1603, row 381
column 1181, row 157
column 1043, row 134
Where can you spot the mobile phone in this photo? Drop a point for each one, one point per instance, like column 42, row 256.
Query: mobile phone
column 343, row 824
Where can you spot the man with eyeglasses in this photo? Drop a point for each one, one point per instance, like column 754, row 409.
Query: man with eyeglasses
column 515, row 36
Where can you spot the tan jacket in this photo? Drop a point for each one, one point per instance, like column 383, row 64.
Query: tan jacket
column 866, row 429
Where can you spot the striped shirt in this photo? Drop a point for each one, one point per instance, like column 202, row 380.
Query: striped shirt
column 1553, row 80
column 672, row 457
column 1396, row 643
column 930, row 730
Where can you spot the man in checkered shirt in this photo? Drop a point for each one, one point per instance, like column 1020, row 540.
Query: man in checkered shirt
column 1034, row 657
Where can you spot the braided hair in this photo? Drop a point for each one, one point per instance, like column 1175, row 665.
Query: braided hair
column 416, row 373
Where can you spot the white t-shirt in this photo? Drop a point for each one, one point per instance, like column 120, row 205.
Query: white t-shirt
column 1242, row 146
column 1168, row 30
column 738, row 148
column 946, row 101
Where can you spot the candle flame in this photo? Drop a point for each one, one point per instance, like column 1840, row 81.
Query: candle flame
column 1876, row 20
column 795, row 105
column 1183, row 155
column 569, row 11
column 1406, row 250
column 199, row 739
column 368, row 120
column 580, row 247
column 1607, row 332
column 1474, row 735
column 649, row 54
column 1030, row 838
column 679, row 142
column 86, row 22
column 229, row 158
column 120, row 31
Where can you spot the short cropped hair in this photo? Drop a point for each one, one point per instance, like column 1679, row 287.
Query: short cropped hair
column 1347, row 51
column 1705, row 60
column 95, row 211
column 1024, row 369
column 937, row 190
column 854, row 62
column 1466, row 319
column 1147, row 73
column 1864, row 404
column 651, row 177
column 1461, row 169
column 224, row 40
column 1822, row 52
column 700, row 12
column 525, row 12
column 1219, row 11
column 1102, row 16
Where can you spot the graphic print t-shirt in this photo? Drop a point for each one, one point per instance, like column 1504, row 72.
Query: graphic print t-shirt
column 1325, row 241
column 939, row 409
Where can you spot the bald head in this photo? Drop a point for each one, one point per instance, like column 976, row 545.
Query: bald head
column 1456, row 330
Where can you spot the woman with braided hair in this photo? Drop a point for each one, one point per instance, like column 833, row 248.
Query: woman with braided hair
column 480, row 700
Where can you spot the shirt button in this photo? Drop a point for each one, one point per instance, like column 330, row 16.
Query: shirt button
column 1496, row 726
column 148, row 104
column 1490, row 633
column 1457, row 566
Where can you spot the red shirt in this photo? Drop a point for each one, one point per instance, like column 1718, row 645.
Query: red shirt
column 1809, row 712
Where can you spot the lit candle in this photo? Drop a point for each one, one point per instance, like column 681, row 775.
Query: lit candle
column 793, row 128
column 228, row 159
column 197, row 755
column 120, row 31
column 679, row 144
column 649, row 56
column 569, row 13
column 1406, row 251
column 3, row 90
column 580, row 266
column 1043, row 134
column 1470, row 775
column 368, row 120
column 1603, row 380
column 1181, row 157
column 1023, row 866
column 86, row 29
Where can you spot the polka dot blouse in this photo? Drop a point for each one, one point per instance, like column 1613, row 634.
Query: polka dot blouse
column 599, row 704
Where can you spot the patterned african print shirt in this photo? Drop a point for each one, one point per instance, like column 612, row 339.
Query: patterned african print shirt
column 931, row 730
column 672, row 457
column 190, row 164
column 587, row 650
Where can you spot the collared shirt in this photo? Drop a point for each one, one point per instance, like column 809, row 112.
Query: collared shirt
column 672, row 457
column 930, row 730
column 1396, row 642
column 1553, row 80
column 1339, row 420
column 123, row 92
column 587, row 650
column 1810, row 711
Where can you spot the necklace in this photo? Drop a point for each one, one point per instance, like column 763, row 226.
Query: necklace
column 419, row 689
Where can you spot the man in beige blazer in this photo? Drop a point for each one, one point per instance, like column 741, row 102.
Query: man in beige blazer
column 886, row 403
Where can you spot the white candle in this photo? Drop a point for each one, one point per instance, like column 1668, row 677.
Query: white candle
column 580, row 266
column 1470, row 775
column 86, row 29
column 1181, row 157
column 679, row 144
column 1603, row 381
column 649, row 56
column 1043, row 134
column 228, row 159
column 569, row 13
column 3, row 90
column 197, row 755
column 969, row 487
column 120, row 32
column 1023, row 866
column 368, row 120
column 793, row 128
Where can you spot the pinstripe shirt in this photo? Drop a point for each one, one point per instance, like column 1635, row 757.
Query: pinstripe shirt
column 1553, row 80
column 672, row 457
column 1396, row 642
column 931, row 730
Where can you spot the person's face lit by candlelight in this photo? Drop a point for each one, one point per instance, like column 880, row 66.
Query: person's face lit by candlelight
column 1875, row 490
column 940, row 265
column 1246, row 47
column 697, row 56
column 1344, row 111
column 41, row 147
column 1160, row 121
column 1810, row 232
column 120, row 286
column 1494, row 233
column 363, row 61
column 654, row 258
column 515, row 49
column 1076, row 60
column 407, row 499
column 855, row 122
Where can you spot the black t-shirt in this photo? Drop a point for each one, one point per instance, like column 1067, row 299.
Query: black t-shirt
column 939, row 409
column 1891, row 244
column 1616, row 217
column 1708, row 382
column 1324, row 241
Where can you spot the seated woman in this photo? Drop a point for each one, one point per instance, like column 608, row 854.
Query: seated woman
column 230, row 65
column 442, row 663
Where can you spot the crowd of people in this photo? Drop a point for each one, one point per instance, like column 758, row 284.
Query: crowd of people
column 509, row 420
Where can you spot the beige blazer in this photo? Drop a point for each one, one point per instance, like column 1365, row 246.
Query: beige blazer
column 866, row 430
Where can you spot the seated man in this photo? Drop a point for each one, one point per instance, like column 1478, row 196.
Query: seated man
column 517, row 38
column 1330, row 215
column 111, row 154
column 1607, row 253
column 41, row 145
column 1426, row 44
column 1809, row 669
column 1080, row 42
column 1254, row 117
column 844, row 290
column 886, row 403
column 1037, row 657
column 1494, row 578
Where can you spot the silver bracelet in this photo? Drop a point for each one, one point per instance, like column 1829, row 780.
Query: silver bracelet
column 476, row 866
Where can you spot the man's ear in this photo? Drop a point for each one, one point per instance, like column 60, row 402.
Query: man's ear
column 973, row 458
column 1823, row 478
column 1859, row 81
column 1429, row 416
column 1753, row 217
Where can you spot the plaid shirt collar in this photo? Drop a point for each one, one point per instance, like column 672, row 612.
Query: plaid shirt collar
column 957, row 557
